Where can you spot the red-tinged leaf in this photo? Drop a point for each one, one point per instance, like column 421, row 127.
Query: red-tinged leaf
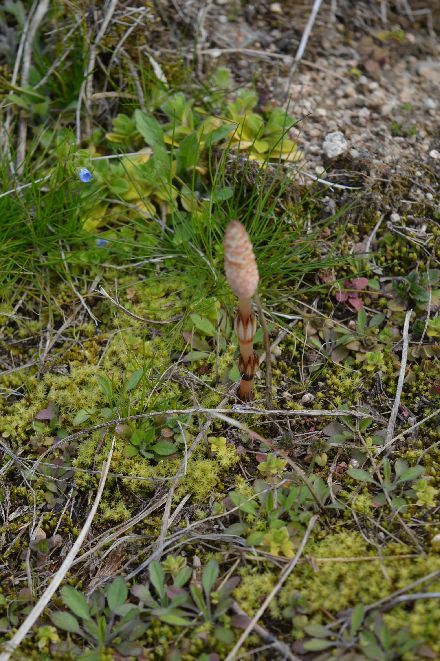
column 49, row 413
column 260, row 457
column 359, row 283
column 341, row 296
column 356, row 304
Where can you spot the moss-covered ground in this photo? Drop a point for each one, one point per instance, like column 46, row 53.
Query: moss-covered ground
column 116, row 340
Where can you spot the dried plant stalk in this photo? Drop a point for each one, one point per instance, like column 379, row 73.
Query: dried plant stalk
column 242, row 275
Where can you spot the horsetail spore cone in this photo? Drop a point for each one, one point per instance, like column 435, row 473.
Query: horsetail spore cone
column 242, row 275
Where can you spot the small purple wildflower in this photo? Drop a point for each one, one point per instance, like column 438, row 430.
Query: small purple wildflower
column 85, row 175
column 101, row 243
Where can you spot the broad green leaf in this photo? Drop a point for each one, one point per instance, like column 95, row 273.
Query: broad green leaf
column 193, row 356
column 209, row 576
column 219, row 134
column 317, row 644
column 182, row 577
column 134, row 380
column 356, row 618
column 106, row 386
column 157, row 578
column 66, row 621
column 164, row 448
column 411, row 474
column 317, row 630
column 222, row 194
column 80, row 417
column 76, row 601
column 173, row 618
column 255, row 539
column 188, row 153
column 117, row 593
column 224, row 635
column 149, row 128
column 400, row 466
column 203, row 325
column 361, row 321
column 359, row 474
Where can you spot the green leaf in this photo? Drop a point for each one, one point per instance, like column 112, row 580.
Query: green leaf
column 164, row 448
column 149, row 128
column 222, row 194
column 219, row 134
column 182, row 577
column 224, row 635
column 188, row 153
column 203, row 325
column 134, row 380
column 361, row 321
column 255, row 539
column 76, row 601
column 400, row 466
column 209, row 576
column 106, row 387
column 66, row 621
column 411, row 474
column 377, row 319
column 359, row 474
column 173, row 618
column 317, row 630
column 117, row 593
column 316, row 645
column 356, row 618
column 157, row 578
column 80, row 417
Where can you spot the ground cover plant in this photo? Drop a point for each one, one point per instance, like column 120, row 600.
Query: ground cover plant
column 153, row 505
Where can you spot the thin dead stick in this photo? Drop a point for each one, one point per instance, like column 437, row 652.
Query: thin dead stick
column 305, row 37
column 235, row 411
column 267, row 637
column 284, row 576
column 131, row 314
column 87, row 84
column 267, row 348
column 400, row 382
column 47, row 595
column 38, row 16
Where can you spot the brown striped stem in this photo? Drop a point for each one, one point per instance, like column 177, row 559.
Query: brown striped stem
column 242, row 275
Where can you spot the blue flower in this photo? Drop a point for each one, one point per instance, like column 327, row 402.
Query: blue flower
column 101, row 243
column 85, row 175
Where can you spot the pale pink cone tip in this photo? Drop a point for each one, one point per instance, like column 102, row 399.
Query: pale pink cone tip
column 240, row 265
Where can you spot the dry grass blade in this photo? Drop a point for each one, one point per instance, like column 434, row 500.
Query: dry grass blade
column 401, row 381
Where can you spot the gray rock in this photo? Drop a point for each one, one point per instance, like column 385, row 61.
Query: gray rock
column 430, row 70
column 335, row 144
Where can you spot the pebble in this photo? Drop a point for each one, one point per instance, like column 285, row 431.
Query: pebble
column 395, row 218
column 335, row 144
column 308, row 398
column 435, row 154
column 431, row 104
column 430, row 69
column 276, row 8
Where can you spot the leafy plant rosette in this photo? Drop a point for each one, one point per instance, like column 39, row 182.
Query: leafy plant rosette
column 170, row 164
